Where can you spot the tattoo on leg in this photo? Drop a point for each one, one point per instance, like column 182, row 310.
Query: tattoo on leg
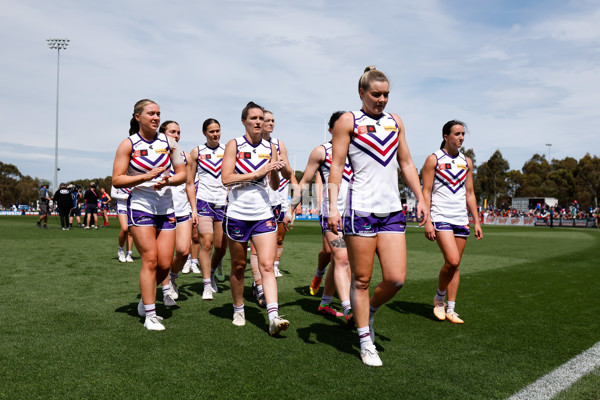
column 339, row 242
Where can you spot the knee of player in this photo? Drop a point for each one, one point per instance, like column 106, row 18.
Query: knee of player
column 266, row 267
column 361, row 283
column 397, row 284
column 238, row 269
column 453, row 263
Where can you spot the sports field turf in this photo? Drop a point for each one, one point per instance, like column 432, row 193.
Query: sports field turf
column 69, row 327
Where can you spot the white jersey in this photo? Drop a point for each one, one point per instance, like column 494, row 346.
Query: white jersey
column 373, row 156
column 120, row 193
column 324, row 169
column 181, row 204
column 210, row 186
column 448, row 196
column 146, row 156
column 250, row 201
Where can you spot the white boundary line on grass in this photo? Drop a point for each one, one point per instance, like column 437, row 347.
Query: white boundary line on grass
column 561, row 378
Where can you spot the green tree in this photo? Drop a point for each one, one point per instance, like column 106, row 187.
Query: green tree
column 491, row 175
column 587, row 176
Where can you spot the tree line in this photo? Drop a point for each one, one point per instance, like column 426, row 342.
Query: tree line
column 566, row 180
column 18, row 189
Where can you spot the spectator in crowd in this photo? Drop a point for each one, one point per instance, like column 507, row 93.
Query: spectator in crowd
column 91, row 206
column 64, row 203
column 44, row 201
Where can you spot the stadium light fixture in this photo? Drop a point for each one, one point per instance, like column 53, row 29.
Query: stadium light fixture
column 549, row 145
column 58, row 44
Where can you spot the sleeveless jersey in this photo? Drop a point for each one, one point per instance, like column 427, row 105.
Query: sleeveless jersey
column 210, row 186
column 372, row 155
column 146, row 156
column 324, row 169
column 181, row 203
column 448, row 196
column 250, row 201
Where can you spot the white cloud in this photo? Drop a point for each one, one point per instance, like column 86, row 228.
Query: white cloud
column 518, row 82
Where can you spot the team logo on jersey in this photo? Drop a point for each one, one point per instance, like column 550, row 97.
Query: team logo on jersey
column 461, row 166
column 366, row 129
column 219, row 155
column 270, row 224
column 140, row 153
column 389, row 128
column 243, row 155
column 442, row 167
column 265, row 156
column 204, row 157
column 160, row 151
column 172, row 220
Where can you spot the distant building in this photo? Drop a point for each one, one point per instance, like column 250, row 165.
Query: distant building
column 524, row 204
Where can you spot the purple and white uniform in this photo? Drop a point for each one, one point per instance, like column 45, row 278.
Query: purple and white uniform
column 448, row 195
column 324, row 170
column 144, row 200
column 211, row 195
column 120, row 196
column 249, row 201
column 373, row 204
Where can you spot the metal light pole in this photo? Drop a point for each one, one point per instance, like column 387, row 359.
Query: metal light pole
column 58, row 44
column 549, row 145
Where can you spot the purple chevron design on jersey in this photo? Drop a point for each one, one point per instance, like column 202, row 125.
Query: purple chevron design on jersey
column 212, row 168
column 454, row 182
column 243, row 163
column 382, row 150
column 243, row 166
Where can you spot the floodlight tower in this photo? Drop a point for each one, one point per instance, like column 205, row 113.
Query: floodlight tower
column 549, row 145
column 58, row 44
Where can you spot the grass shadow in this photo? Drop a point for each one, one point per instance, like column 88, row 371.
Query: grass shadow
column 420, row 309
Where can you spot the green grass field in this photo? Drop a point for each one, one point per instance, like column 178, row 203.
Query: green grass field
column 69, row 327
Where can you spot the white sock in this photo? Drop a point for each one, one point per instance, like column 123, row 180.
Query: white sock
column 129, row 253
column 272, row 311
column 195, row 261
column 166, row 288
column 364, row 336
column 439, row 296
column 346, row 306
column 206, row 283
column 326, row 300
column 450, row 307
column 120, row 248
column 319, row 273
column 150, row 310
column 238, row 308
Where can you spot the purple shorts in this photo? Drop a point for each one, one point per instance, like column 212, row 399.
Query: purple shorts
column 241, row 231
column 323, row 222
column 459, row 230
column 279, row 215
column 160, row 222
column 206, row 209
column 184, row 218
column 122, row 207
column 368, row 224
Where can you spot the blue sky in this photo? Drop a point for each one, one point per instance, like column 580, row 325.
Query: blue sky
column 521, row 74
